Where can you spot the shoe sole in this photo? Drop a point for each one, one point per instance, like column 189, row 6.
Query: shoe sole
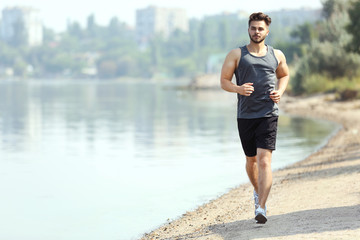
column 261, row 219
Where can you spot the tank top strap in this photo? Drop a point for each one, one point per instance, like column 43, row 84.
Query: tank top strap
column 244, row 49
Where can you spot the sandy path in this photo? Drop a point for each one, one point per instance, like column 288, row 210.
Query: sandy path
column 318, row 198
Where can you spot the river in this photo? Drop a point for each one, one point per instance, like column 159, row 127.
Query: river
column 115, row 159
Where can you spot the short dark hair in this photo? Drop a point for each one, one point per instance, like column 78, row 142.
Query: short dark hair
column 259, row 16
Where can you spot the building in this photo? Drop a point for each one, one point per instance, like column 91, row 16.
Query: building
column 154, row 20
column 23, row 22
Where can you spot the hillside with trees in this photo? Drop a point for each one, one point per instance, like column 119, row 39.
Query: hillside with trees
column 321, row 47
column 111, row 51
column 330, row 59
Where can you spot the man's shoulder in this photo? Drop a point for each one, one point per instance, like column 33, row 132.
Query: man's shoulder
column 236, row 50
column 276, row 51
column 235, row 53
column 280, row 56
column 279, row 53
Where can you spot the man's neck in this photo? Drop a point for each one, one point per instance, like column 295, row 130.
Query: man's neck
column 256, row 47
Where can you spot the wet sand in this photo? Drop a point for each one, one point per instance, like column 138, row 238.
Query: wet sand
column 317, row 198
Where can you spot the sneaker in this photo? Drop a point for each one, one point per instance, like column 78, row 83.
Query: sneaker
column 260, row 215
column 256, row 200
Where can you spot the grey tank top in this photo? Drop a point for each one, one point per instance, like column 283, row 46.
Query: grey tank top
column 261, row 72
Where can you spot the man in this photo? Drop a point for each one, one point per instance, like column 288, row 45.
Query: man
column 258, row 69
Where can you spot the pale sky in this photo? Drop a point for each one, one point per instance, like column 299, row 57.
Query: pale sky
column 55, row 13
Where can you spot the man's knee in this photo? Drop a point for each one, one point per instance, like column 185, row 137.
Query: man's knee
column 264, row 158
column 251, row 160
column 264, row 163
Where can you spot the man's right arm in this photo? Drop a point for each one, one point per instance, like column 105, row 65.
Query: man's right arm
column 227, row 73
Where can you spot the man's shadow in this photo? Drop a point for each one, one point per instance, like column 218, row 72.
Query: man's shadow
column 302, row 222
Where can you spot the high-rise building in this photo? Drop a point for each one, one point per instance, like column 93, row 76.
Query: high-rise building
column 21, row 22
column 154, row 20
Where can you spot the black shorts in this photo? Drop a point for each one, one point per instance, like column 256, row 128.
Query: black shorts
column 257, row 133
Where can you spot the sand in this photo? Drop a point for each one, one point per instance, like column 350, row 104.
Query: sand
column 317, row 198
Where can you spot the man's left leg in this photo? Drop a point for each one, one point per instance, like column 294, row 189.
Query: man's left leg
column 264, row 182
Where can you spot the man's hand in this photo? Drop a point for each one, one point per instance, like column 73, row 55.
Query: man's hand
column 275, row 96
column 246, row 89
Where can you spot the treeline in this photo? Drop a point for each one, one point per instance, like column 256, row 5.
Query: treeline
column 330, row 59
column 111, row 51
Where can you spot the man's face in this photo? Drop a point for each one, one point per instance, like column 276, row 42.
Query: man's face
column 258, row 30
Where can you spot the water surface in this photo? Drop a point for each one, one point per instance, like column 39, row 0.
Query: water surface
column 112, row 160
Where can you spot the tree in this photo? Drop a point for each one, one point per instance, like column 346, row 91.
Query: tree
column 326, row 56
column 336, row 19
column 353, row 28
column 8, row 55
column 107, row 68
column 306, row 33
column 20, row 67
column 48, row 35
column 74, row 29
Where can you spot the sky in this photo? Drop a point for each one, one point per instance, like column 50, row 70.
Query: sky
column 56, row 13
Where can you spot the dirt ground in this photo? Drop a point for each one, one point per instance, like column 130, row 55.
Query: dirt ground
column 317, row 198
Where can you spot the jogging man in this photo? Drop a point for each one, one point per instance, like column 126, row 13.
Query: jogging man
column 262, row 76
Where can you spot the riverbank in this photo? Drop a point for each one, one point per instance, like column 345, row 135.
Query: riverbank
column 317, row 198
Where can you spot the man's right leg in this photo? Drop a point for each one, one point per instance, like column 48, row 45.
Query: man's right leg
column 252, row 171
column 246, row 129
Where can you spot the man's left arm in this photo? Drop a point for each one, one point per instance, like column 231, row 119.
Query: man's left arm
column 283, row 76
